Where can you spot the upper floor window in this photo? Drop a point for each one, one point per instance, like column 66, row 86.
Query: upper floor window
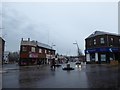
column 40, row 50
column 24, row 48
column 90, row 42
column 53, row 52
column 102, row 40
column 94, row 41
column 111, row 39
column 49, row 51
column 32, row 49
column 45, row 51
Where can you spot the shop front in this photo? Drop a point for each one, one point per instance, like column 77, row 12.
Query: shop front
column 102, row 55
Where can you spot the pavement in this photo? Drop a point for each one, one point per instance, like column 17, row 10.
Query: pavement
column 86, row 76
column 7, row 67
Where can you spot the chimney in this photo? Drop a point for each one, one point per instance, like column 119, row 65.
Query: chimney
column 22, row 39
column 28, row 39
column 36, row 41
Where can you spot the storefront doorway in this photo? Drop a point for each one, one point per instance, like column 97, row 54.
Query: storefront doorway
column 92, row 57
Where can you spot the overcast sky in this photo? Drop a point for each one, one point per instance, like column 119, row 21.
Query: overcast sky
column 59, row 23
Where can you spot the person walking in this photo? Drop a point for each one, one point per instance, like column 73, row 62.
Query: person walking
column 53, row 64
column 38, row 64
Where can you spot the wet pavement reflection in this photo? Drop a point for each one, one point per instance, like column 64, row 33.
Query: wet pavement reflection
column 84, row 76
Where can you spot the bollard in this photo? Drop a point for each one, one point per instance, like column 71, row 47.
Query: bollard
column 68, row 65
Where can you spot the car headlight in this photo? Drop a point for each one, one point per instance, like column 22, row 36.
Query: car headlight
column 76, row 66
column 79, row 66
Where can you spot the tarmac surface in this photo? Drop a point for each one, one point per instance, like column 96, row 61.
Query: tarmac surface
column 84, row 76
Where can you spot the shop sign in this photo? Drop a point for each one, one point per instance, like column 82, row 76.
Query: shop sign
column 33, row 55
column 102, row 50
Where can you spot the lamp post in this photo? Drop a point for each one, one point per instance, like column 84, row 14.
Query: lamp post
column 50, row 53
column 77, row 48
column 52, row 45
column 51, row 49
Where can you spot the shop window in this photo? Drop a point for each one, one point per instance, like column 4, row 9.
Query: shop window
column 92, row 57
column 102, row 40
column 32, row 49
column 103, row 57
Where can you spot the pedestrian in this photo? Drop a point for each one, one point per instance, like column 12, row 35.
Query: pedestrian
column 38, row 63
column 53, row 64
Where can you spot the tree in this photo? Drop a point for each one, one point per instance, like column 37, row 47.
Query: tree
column 13, row 56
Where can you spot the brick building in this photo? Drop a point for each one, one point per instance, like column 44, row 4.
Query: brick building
column 32, row 51
column 2, row 45
column 102, row 47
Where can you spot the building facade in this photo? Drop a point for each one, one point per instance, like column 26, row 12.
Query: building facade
column 119, row 17
column 32, row 52
column 2, row 45
column 102, row 47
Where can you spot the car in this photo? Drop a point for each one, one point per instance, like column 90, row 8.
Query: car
column 77, row 62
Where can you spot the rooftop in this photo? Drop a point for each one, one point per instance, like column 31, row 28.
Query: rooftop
column 96, row 33
column 35, row 43
column 44, row 45
column 2, row 38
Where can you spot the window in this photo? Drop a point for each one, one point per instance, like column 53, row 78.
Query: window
column 49, row 52
column 45, row 51
column 111, row 39
column 32, row 49
column 53, row 52
column 103, row 57
column 90, row 43
column 92, row 57
column 102, row 41
column 119, row 40
column 24, row 48
column 40, row 50
column 94, row 41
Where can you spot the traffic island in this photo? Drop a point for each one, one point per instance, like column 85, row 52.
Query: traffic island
column 68, row 67
column 57, row 65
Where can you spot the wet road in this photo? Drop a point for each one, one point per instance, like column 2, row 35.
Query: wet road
column 88, row 76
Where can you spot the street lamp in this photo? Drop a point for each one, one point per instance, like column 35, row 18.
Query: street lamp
column 77, row 48
column 52, row 45
column 51, row 49
column 50, row 53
